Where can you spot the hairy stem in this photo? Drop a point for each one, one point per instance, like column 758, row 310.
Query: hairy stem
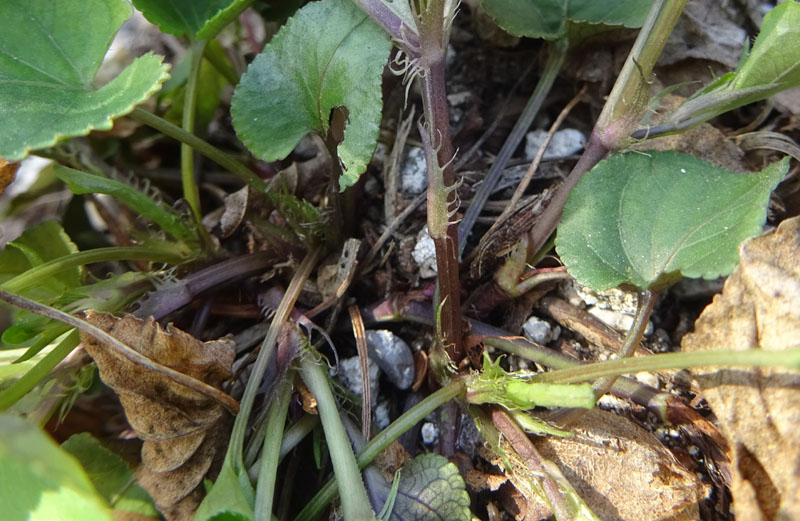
column 41, row 272
column 442, row 203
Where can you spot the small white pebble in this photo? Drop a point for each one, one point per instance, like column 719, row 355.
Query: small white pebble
column 694, row 451
column 382, row 415
column 413, row 171
column 537, row 330
column 647, row 379
column 430, row 433
column 609, row 401
column 564, row 143
column 425, row 254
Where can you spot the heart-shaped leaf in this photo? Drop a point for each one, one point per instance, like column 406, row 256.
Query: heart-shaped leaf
column 775, row 56
column 285, row 94
column 549, row 19
column 638, row 217
column 110, row 475
column 40, row 481
column 47, row 70
column 181, row 17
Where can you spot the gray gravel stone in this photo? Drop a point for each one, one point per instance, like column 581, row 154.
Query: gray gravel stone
column 393, row 356
column 564, row 143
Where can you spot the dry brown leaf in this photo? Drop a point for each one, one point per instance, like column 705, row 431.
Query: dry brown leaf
column 182, row 429
column 622, row 472
column 7, row 172
column 758, row 409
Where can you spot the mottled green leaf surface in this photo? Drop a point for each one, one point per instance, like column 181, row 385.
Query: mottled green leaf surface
column 41, row 482
column 181, row 17
column 431, row 489
column 110, row 475
column 639, row 216
column 47, row 71
column 549, row 19
column 328, row 55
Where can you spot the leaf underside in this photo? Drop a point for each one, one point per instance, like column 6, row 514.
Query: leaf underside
column 286, row 94
column 47, row 69
column 549, row 19
column 639, row 216
column 181, row 17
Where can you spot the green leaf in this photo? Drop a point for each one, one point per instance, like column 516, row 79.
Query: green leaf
column 431, row 489
column 229, row 498
column 181, row 17
column 84, row 183
column 291, row 87
column 644, row 218
column 550, row 19
column 110, row 475
column 772, row 66
column 775, row 56
column 40, row 481
column 37, row 245
column 49, row 55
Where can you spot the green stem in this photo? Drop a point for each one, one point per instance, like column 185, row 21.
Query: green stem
column 190, row 191
column 644, row 307
column 555, row 60
column 627, row 102
column 211, row 152
column 41, row 272
column 11, row 394
column 752, row 357
column 355, row 503
column 291, row 438
column 402, row 424
column 215, row 55
column 223, row 18
column 270, row 456
column 236, row 445
column 621, row 113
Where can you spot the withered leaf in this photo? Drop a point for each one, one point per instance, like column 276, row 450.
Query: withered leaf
column 182, row 428
column 622, row 472
column 758, row 409
column 7, row 172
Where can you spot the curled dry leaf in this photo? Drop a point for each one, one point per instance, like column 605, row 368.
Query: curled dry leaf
column 184, row 431
column 7, row 172
column 758, row 409
column 622, row 472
